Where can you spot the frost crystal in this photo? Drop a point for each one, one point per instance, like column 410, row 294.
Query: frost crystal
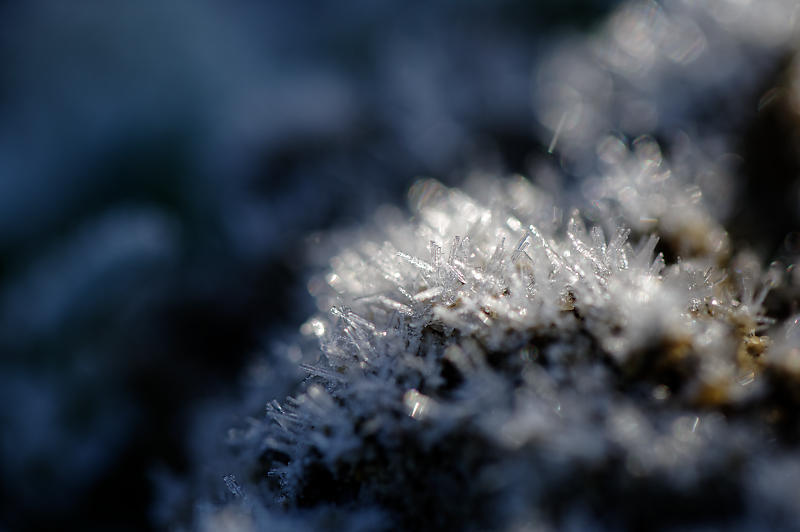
column 454, row 361
column 479, row 369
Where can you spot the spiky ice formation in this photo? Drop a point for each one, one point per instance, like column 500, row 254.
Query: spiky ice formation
column 488, row 364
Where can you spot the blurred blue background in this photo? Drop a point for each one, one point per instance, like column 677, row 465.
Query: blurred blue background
column 161, row 164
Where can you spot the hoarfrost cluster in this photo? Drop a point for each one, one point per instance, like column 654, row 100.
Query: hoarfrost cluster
column 518, row 356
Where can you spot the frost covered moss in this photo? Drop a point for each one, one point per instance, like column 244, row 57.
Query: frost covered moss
column 480, row 370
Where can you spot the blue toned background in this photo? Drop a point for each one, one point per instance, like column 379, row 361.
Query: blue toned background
column 161, row 164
